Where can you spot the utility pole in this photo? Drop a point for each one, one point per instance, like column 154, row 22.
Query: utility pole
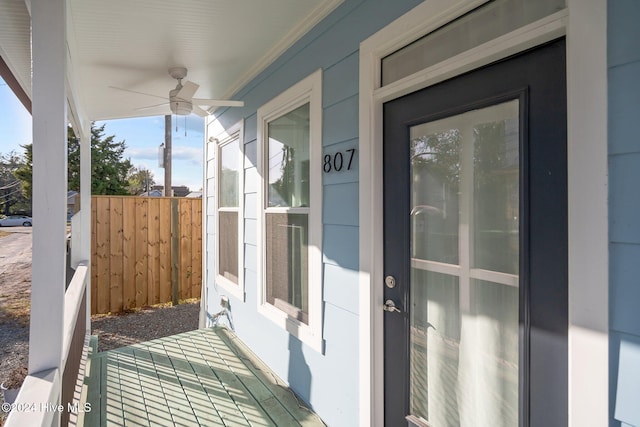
column 167, row 156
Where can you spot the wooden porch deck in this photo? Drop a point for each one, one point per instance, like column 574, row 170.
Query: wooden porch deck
column 199, row 378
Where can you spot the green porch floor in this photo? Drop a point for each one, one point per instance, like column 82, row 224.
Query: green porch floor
column 205, row 377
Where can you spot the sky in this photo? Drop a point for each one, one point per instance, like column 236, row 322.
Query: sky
column 142, row 138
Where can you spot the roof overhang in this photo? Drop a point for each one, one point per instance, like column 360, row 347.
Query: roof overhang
column 123, row 44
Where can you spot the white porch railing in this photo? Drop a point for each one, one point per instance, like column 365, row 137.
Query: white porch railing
column 46, row 397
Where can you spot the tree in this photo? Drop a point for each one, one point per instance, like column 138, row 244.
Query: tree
column 12, row 199
column 25, row 172
column 109, row 169
column 140, row 180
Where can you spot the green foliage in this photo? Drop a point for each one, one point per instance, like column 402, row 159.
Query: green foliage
column 25, row 172
column 139, row 180
column 12, row 199
column 109, row 168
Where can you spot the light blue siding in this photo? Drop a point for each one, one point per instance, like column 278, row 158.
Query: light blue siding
column 250, row 231
column 624, row 32
column 624, row 93
column 340, row 121
column 341, row 80
column 341, row 287
column 341, row 246
column 623, row 41
column 251, row 154
column 327, row 381
column 250, row 205
column 341, row 204
column 251, row 257
column 624, row 175
column 251, row 180
column 250, row 128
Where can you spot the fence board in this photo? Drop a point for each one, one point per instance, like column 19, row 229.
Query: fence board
column 142, row 252
column 185, row 268
column 94, row 258
column 115, row 253
column 128, row 253
column 132, row 251
column 102, row 255
column 196, row 248
column 153, row 270
column 165, row 252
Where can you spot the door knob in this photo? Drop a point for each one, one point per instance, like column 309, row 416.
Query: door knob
column 390, row 306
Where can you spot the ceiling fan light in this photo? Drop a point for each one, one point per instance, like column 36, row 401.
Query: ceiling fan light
column 181, row 108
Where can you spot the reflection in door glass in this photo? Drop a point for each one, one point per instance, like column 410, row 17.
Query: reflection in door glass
column 496, row 195
column 435, row 167
column 435, row 347
column 464, row 357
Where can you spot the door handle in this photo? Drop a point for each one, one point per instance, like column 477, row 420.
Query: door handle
column 390, row 306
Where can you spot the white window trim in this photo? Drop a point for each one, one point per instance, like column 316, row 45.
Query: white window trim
column 584, row 24
column 309, row 90
column 236, row 132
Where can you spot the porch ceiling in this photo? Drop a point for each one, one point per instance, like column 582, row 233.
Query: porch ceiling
column 131, row 44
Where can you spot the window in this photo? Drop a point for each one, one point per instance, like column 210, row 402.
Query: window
column 229, row 155
column 290, row 210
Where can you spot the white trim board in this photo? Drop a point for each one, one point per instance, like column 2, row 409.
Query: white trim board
column 584, row 24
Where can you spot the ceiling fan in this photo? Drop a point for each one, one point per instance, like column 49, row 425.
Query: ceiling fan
column 181, row 101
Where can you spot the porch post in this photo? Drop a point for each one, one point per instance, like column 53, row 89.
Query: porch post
column 49, row 183
column 85, row 209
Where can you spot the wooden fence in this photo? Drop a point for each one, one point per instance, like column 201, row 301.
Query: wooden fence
column 144, row 251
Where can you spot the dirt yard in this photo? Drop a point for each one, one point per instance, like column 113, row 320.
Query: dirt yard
column 15, row 294
column 113, row 331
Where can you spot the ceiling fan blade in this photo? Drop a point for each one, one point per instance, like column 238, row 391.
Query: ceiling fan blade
column 188, row 90
column 199, row 111
column 139, row 93
column 218, row 102
column 151, row 106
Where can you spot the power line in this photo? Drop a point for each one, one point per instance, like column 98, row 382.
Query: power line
column 13, row 184
column 4, row 196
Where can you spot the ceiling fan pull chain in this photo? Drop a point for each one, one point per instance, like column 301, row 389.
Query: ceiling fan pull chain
column 185, row 125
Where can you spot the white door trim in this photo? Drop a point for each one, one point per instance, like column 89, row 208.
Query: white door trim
column 584, row 24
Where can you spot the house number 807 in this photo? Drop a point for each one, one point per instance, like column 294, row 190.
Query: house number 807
column 338, row 161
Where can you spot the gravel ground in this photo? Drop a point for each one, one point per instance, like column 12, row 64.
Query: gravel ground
column 147, row 324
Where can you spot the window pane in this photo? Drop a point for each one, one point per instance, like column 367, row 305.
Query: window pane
column 435, row 347
column 488, row 371
column 435, row 174
column 463, row 365
column 288, row 156
column 229, row 174
column 287, row 263
column 496, row 189
column 228, row 249
column 492, row 20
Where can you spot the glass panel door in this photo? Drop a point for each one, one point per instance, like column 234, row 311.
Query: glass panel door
column 464, row 232
column 475, row 248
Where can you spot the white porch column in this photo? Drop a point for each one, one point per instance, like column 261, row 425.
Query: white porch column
column 49, row 183
column 85, row 209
